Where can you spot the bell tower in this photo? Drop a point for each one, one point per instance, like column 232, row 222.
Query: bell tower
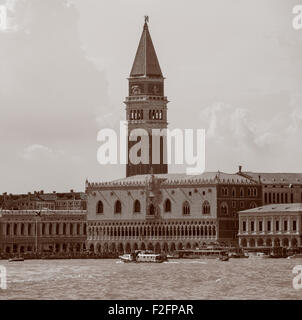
column 146, row 108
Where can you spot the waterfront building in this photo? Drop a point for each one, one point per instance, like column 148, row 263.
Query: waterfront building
column 277, row 187
column 40, row 200
column 31, row 231
column 151, row 209
column 274, row 225
column 167, row 212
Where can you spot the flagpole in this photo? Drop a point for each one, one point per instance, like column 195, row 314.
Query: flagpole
column 36, row 235
column 36, row 240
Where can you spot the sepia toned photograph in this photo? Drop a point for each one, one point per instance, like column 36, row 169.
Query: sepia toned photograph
column 150, row 150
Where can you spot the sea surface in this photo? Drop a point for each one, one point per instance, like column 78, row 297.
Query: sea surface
column 175, row 279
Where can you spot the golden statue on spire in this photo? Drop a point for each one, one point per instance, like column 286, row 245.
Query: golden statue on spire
column 146, row 19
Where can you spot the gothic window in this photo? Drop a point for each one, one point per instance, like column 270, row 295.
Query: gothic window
column 225, row 191
column 233, row 192
column 151, row 209
column 137, row 206
column 118, row 207
column 224, row 208
column 167, row 205
column 100, row 207
column 186, row 208
column 241, row 192
column 206, row 208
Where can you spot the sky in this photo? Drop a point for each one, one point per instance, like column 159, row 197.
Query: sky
column 232, row 67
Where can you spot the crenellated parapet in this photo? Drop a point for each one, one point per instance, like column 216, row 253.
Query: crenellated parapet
column 172, row 180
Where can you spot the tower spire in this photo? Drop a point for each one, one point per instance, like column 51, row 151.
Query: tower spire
column 146, row 62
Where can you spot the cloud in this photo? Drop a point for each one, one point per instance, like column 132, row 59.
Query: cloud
column 40, row 153
column 46, row 78
column 51, row 95
column 225, row 123
column 235, row 134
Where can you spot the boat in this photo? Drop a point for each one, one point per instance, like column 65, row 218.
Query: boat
column 224, row 258
column 172, row 256
column 260, row 255
column 205, row 253
column 143, row 257
column 277, row 256
column 16, row 259
column 235, row 255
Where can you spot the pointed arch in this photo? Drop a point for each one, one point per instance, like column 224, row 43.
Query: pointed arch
column 234, row 192
column 117, row 207
column 137, row 206
column 151, row 209
column 100, row 207
column 224, row 208
column 167, row 205
column 186, row 208
column 206, row 208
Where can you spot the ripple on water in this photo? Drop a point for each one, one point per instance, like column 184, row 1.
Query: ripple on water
column 181, row 279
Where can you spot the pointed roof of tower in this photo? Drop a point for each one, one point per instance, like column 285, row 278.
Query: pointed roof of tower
column 146, row 62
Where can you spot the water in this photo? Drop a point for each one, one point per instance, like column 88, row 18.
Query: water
column 177, row 279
